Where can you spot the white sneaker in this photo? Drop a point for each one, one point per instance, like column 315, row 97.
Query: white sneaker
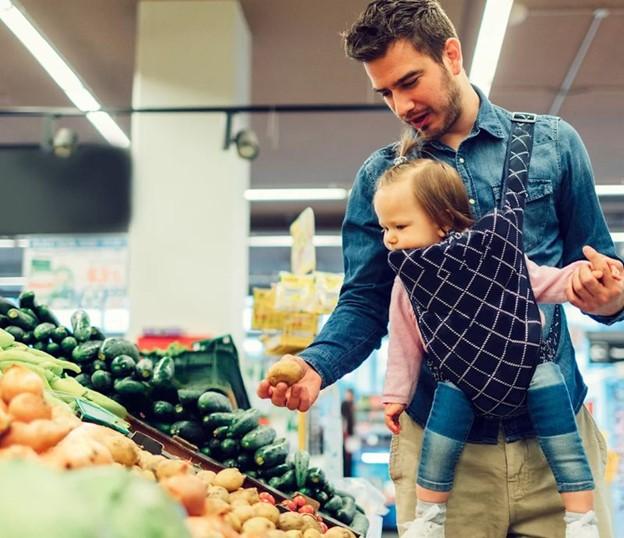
column 424, row 527
column 586, row 527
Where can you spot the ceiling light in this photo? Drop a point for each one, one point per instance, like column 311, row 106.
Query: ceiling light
column 56, row 67
column 108, row 129
column 247, row 145
column 489, row 43
column 284, row 195
column 287, row 241
column 610, row 190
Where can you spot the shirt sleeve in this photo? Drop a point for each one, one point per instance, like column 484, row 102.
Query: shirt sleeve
column 549, row 283
column 405, row 349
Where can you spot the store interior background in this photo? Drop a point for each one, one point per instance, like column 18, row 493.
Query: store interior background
column 558, row 56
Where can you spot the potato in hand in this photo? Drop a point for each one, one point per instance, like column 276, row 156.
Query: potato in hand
column 286, row 370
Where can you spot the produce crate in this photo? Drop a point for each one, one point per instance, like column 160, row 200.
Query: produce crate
column 156, row 442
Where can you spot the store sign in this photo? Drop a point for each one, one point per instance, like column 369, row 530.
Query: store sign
column 606, row 346
column 89, row 272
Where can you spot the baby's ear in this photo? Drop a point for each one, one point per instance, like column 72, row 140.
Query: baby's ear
column 442, row 232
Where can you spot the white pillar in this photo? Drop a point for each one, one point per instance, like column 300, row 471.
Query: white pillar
column 188, row 236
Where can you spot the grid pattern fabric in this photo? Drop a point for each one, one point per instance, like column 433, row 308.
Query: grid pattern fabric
column 473, row 299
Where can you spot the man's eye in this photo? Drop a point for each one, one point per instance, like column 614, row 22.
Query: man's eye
column 410, row 83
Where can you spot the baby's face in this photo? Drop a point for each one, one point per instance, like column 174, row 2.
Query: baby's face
column 403, row 221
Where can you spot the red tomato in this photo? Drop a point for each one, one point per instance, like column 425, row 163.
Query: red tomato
column 290, row 505
column 266, row 497
column 323, row 527
column 300, row 500
column 306, row 509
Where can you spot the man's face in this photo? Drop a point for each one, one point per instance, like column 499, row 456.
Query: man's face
column 420, row 91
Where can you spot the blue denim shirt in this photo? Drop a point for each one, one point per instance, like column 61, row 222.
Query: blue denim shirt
column 562, row 215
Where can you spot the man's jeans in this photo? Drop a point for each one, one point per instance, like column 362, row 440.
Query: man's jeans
column 553, row 418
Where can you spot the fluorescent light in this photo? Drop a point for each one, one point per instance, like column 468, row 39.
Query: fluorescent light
column 610, row 190
column 375, row 457
column 60, row 72
column 617, row 237
column 286, row 241
column 489, row 43
column 12, row 281
column 275, row 195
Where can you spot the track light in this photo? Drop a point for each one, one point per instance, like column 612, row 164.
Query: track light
column 245, row 140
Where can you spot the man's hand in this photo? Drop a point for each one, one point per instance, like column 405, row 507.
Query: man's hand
column 299, row 396
column 392, row 412
column 598, row 289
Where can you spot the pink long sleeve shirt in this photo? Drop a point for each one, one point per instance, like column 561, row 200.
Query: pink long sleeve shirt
column 406, row 348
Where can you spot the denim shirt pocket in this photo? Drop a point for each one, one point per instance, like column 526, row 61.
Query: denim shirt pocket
column 539, row 214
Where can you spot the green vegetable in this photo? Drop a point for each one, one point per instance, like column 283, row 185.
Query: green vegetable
column 321, row 496
column 96, row 334
column 22, row 319
column 277, row 470
column 53, row 349
column 59, row 334
column 26, row 299
column 189, row 430
column 286, row 482
column 347, row 512
column 5, row 305
column 316, row 478
column 205, row 450
column 87, row 351
column 230, row 463
column 163, row 372
column 4, row 321
column 244, row 423
column 130, row 387
column 113, row 347
column 229, row 447
column 301, row 461
column 45, row 314
column 220, row 432
column 214, row 420
column 28, row 338
column 43, row 331
column 188, row 397
column 102, row 381
column 84, row 380
column 81, row 325
column 68, row 344
column 122, row 366
column 99, row 365
column 245, row 461
column 212, row 402
column 163, row 411
column 144, row 369
column 273, row 454
column 333, row 504
column 258, row 437
column 16, row 332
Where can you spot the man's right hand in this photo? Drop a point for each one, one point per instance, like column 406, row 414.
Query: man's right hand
column 299, row 396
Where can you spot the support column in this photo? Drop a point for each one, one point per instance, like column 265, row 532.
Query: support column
column 188, row 236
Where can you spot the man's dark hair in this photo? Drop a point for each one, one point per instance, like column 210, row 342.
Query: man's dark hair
column 421, row 22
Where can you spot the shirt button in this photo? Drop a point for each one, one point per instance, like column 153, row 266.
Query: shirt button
column 461, row 160
column 472, row 201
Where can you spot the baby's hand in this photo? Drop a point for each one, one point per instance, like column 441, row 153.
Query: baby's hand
column 613, row 267
column 392, row 412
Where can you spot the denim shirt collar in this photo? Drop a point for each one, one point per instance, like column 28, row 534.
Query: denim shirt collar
column 487, row 118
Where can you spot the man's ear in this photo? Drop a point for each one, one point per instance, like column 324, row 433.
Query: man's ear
column 453, row 58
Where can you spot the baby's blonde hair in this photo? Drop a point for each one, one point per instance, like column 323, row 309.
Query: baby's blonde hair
column 436, row 186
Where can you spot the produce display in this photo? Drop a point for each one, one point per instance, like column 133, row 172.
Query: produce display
column 80, row 362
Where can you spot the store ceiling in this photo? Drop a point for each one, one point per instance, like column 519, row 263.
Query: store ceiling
column 297, row 59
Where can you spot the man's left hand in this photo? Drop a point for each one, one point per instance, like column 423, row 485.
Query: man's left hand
column 598, row 289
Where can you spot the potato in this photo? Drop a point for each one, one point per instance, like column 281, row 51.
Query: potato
column 290, row 521
column 207, row 477
column 294, row 534
column 258, row 525
column 251, row 494
column 167, row 468
column 187, row 489
column 216, row 507
column 243, row 512
column 266, row 510
column 276, row 534
column 233, row 521
column 287, row 370
column 339, row 532
column 311, row 533
column 310, row 522
column 123, row 450
column 218, row 492
column 230, row 479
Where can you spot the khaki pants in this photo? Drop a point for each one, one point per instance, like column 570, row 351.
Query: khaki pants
column 500, row 491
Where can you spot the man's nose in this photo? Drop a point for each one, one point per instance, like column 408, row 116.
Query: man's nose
column 402, row 106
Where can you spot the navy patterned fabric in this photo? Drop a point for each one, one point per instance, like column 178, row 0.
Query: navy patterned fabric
column 473, row 299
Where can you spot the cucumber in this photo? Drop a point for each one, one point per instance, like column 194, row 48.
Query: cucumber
column 221, row 418
column 130, row 388
column 286, row 482
column 53, row 349
column 16, row 332
column 214, row 445
column 102, row 381
column 273, row 454
column 333, row 504
column 96, row 334
column 81, row 325
column 220, row 432
column 321, row 496
column 205, row 450
column 277, row 470
column 5, row 306
column 188, row 397
column 244, row 423
column 22, row 318
column 163, row 411
column 68, row 344
column 189, row 430
column 113, row 347
column 301, row 460
column 87, row 351
column 40, row 346
column 84, row 380
column 230, row 463
column 28, row 338
column 45, row 314
column 245, row 461
column 99, row 365
column 144, row 369
column 4, row 321
column 59, row 334
column 163, row 427
column 213, row 402
column 26, row 299
column 252, row 474
column 315, row 478
column 121, row 366
column 258, row 437
column 229, row 447
column 347, row 512
column 43, row 331
column 163, row 372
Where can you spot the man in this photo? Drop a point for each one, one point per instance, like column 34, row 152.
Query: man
column 413, row 58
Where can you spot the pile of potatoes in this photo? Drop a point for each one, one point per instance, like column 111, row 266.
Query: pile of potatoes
column 218, row 505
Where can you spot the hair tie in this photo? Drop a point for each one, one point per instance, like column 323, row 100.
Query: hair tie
column 401, row 159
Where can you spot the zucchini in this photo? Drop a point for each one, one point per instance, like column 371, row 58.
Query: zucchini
column 59, row 334
column 81, row 325
column 144, row 369
column 273, row 454
column 360, row 523
column 87, row 351
column 244, row 423
column 5, row 306
column 347, row 511
column 212, row 402
column 53, row 349
column 220, row 432
column 316, row 478
column 22, row 318
column 301, row 461
column 16, row 332
column 321, row 496
column 45, row 314
column 163, row 411
column 68, row 344
column 188, row 397
column 163, row 372
column 333, row 504
column 258, row 437
column 277, row 470
column 229, row 447
column 214, row 420
column 43, row 331
column 26, row 299
column 113, row 347
column 102, row 381
column 286, row 482
column 96, row 334
column 189, row 430
column 130, row 387
column 122, row 366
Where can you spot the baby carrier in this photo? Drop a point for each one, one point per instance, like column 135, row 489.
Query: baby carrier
column 473, row 299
